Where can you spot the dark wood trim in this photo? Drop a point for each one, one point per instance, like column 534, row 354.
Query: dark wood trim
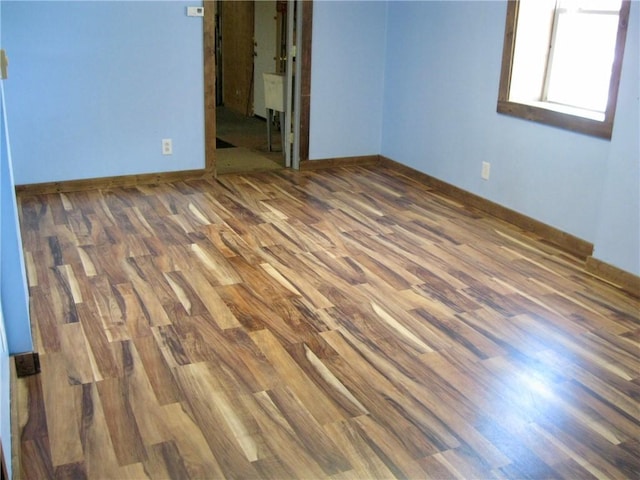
column 616, row 68
column 209, row 54
column 565, row 241
column 365, row 160
column 305, row 85
column 620, row 278
column 111, row 182
column 508, row 48
column 27, row 364
column 566, row 121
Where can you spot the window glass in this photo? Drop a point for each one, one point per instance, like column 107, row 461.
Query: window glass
column 582, row 56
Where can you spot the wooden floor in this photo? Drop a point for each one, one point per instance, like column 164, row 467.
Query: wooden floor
column 346, row 324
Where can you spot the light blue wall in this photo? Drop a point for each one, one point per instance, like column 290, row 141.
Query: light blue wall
column 97, row 85
column 618, row 237
column 441, row 84
column 13, row 294
column 347, row 78
column 5, row 396
column 15, row 325
column 13, row 288
column 5, row 381
column 5, row 400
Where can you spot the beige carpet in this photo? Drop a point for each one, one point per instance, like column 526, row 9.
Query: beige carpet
column 240, row 159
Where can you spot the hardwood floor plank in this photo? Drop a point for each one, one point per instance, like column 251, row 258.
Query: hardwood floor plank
column 437, row 467
column 322, row 376
column 148, row 295
column 138, row 391
column 150, row 283
column 426, row 406
column 107, row 307
column 359, row 454
column 522, row 461
column 165, row 461
column 81, row 367
column 185, row 293
column 309, row 432
column 198, row 459
column 157, row 370
column 216, row 266
column 465, row 463
column 63, row 411
column 194, row 381
column 70, row 471
column 134, row 314
column 98, row 341
column 45, row 332
column 299, row 276
column 240, row 423
column 99, row 454
column 121, row 422
column 384, row 400
column 39, row 463
column 321, row 408
column 283, row 441
column 170, row 345
column 36, row 461
column 389, row 448
column 64, row 304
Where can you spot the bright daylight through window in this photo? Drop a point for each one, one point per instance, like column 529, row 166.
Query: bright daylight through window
column 562, row 60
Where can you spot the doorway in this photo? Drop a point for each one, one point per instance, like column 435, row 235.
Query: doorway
column 246, row 47
column 231, row 86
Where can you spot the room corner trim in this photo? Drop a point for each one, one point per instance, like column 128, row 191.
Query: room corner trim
column 359, row 161
column 620, row 278
column 562, row 240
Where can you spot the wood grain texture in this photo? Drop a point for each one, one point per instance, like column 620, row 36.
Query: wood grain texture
column 342, row 323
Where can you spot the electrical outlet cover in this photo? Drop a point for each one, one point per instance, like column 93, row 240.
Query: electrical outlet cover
column 167, row 146
column 486, row 170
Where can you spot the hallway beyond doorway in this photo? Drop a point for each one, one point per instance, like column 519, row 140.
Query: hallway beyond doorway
column 248, row 135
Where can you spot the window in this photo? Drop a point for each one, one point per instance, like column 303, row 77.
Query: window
column 561, row 62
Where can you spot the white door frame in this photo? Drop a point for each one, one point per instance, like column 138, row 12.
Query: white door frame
column 293, row 103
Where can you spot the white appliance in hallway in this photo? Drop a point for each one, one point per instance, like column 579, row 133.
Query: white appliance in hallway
column 265, row 51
